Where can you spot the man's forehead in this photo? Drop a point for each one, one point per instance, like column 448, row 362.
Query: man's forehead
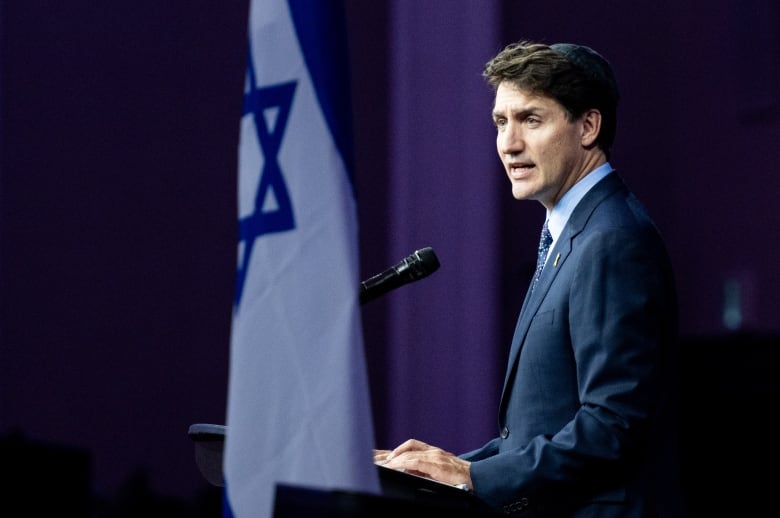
column 511, row 97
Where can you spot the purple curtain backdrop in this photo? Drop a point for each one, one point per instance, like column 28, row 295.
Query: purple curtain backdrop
column 443, row 333
column 117, row 232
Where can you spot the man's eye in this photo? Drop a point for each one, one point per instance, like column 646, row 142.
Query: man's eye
column 532, row 121
column 500, row 123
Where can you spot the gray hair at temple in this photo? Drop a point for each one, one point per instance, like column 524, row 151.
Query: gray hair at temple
column 576, row 76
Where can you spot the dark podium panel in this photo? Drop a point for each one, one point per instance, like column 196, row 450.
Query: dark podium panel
column 298, row 502
column 425, row 492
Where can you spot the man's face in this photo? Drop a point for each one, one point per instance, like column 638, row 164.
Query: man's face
column 541, row 150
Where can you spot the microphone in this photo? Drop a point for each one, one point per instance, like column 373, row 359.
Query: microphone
column 415, row 266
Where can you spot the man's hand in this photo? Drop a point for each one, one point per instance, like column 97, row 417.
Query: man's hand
column 422, row 459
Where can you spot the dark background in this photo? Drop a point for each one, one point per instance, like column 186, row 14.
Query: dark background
column 118, row 160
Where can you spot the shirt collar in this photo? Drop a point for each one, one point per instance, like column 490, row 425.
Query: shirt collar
column 559, row 216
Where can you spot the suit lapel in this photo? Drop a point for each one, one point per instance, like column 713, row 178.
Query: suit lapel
column 560, row 252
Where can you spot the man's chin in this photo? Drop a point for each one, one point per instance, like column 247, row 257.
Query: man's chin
column 522, row 193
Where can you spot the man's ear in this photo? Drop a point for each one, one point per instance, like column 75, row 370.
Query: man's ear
column 591, row 126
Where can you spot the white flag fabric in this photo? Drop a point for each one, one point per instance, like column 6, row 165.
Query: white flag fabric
column 298, row 410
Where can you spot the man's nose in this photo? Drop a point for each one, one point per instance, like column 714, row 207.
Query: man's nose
column 510, row 141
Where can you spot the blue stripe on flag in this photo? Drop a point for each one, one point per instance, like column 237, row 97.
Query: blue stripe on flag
column 322, row 33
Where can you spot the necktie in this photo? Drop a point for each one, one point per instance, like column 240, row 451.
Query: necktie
column 545, row 240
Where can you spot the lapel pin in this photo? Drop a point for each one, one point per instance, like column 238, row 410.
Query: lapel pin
column 555, row 263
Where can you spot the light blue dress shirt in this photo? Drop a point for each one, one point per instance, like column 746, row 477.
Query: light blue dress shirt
column 559, row 215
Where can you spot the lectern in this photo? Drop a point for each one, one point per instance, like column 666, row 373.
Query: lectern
column 401, row 493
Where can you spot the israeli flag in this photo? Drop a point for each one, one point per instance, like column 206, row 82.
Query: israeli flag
column 298, row 410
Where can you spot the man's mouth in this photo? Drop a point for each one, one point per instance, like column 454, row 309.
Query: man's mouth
column 520, row 169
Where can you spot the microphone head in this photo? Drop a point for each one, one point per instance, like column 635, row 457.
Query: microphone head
column 423, row 262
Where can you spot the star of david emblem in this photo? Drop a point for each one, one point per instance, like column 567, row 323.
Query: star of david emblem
column 257, row 101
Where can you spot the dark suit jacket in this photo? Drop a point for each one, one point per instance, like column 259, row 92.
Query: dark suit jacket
column 586, row 422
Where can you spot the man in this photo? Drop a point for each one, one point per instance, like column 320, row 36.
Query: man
column 585, row 420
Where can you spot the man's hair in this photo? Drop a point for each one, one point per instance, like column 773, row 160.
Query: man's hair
column 576, row 76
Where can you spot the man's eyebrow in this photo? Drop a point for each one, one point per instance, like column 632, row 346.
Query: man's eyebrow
column 523, row 113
